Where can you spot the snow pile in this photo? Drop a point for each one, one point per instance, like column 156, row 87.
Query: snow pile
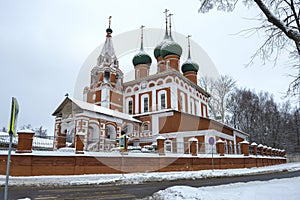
column 136, row 178
column 276, row 189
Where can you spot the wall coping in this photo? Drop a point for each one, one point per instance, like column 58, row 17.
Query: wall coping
column 26, row 131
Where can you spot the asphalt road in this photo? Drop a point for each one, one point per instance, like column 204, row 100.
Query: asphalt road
column 127, row 191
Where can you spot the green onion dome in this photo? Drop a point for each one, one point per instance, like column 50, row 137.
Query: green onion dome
column 141, row 58
column 157, row 49
column 170, row 48
column 189, row 65
column 109, row 30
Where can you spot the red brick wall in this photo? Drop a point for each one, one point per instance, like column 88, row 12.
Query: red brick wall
column 34, row 165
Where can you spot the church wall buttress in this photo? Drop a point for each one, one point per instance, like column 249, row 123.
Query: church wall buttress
column 57, row 132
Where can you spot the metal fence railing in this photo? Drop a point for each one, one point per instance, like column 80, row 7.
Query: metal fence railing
column 38, row 143
column 67, row 143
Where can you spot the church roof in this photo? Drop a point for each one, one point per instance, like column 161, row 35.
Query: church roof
column 141, row 58
column 108, row 49
column 161, row 74
column 94, row 108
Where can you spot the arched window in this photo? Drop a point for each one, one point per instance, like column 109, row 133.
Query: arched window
column 106, row 77
column 145, row 103
column 118, row 80
column 146, row 127
column 111, row 132
column 162, row 99
column 129, row 106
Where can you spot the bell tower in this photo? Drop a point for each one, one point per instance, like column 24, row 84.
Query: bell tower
column 106, row 84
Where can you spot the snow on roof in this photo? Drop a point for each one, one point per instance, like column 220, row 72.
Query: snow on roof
column 260, row 146
column 3, row 134
column 160, row 138
column 220, row 141
column 244, row 142
column 97, row 109
column 193, row 139
column 25, row 131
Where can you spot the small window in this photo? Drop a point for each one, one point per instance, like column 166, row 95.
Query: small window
column 130, row 107
column 106, row 77
column 146, row 104
column 137, row 74
column 163, row 101
column 146, row 127
column 136, row 127
column 118, row 79
column 168, row 64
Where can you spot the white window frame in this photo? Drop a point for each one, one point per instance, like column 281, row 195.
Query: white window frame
column 182, row 101
column 204, row 110
column 160, row 93
column 168, row 65
column 127, row 105
column 192, row 106
column 197, row 110
column 142, row 102
column 137, row 74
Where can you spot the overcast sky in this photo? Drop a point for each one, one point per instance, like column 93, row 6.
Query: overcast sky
column 43, row 45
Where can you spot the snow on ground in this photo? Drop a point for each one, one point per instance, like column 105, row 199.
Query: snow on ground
column 136, row 178
column 276, row 189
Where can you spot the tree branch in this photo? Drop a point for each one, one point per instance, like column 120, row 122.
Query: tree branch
column 294, row 35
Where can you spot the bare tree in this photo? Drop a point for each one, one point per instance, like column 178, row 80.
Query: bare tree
column 220, row 89
column 40, row 132
column 266, row 121
column 279, row 22
column 4, row 129
column 26, row 126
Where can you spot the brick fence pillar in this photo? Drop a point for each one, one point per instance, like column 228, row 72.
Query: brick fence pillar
column 79, row 145
column 25, row 139
column 273, row 152
column 283, row 153
column 265, row 149
column 270, row 151
column 61, row 140
column 245, row 147
column 193, row 146
column 220, row 147
column 161, row 145
column 254, row 148
column 276, row 152
column 260, row 149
